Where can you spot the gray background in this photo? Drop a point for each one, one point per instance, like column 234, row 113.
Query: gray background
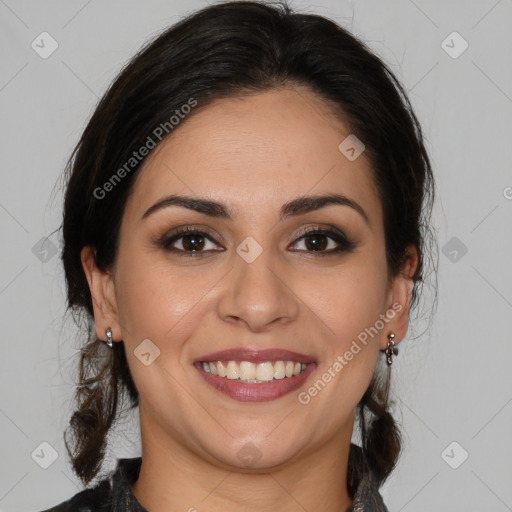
column 454, row 382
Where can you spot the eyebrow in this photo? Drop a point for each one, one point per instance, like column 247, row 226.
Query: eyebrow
column 298, row 206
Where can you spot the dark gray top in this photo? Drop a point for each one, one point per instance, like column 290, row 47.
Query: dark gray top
column 114, row 494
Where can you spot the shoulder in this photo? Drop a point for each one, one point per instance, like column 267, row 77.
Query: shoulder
column 363, row 484
column 112, row 493
column 97, row 499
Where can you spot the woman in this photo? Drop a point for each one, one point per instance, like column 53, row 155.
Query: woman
column 245, row 222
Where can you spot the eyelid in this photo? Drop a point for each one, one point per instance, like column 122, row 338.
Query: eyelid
column 325, row 229
column 345, row 244
column 165, row 241
column 186, row 228
column 175, row 234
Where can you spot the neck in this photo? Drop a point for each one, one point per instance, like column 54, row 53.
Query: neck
column 174, row 477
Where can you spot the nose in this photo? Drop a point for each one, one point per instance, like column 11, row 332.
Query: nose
column 256, row 295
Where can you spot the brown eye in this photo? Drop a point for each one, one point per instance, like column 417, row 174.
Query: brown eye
column 316, row 242
column 193, row 242
column 189, row 242
column 323, row 242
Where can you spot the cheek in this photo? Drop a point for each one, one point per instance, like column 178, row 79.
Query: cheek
column 162, row 303
column 156, row 304
column 152, row 297
column 346, row 300
column 347, row 304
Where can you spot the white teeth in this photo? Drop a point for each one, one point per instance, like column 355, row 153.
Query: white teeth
column 221, row 370
column 279, row 371
column 247, row 370
column 232, row 370
column 265, row 371
column 253, row 373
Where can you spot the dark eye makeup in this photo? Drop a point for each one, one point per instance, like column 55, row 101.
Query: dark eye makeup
column 194, row 242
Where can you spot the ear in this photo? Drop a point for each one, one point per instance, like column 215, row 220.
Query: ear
column 399, row 298
column 101, row 286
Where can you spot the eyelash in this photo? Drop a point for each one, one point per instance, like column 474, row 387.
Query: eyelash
column 344, row 244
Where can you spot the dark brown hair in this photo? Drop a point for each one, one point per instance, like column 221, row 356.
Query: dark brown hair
column 226, row 50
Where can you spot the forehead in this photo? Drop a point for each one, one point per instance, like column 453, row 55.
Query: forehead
column 266, row 147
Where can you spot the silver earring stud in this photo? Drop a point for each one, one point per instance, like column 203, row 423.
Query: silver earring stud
column 391, row 350
column 108, row 333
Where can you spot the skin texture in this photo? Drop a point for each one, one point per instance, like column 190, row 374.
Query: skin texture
column 253, row 154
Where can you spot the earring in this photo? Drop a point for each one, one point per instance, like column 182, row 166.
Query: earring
column 108, row 333
column 391, row 350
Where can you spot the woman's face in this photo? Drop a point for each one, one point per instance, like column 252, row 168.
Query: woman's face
column 248, row 278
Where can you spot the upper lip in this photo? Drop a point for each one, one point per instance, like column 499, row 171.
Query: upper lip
column 256, row 356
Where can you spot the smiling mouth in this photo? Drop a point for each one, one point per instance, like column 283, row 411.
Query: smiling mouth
column 263, row 381
column 253, row 373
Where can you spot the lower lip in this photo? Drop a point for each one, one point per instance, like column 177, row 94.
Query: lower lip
column 263, row 392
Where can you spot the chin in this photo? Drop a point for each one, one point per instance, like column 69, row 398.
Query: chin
column 255, row 454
